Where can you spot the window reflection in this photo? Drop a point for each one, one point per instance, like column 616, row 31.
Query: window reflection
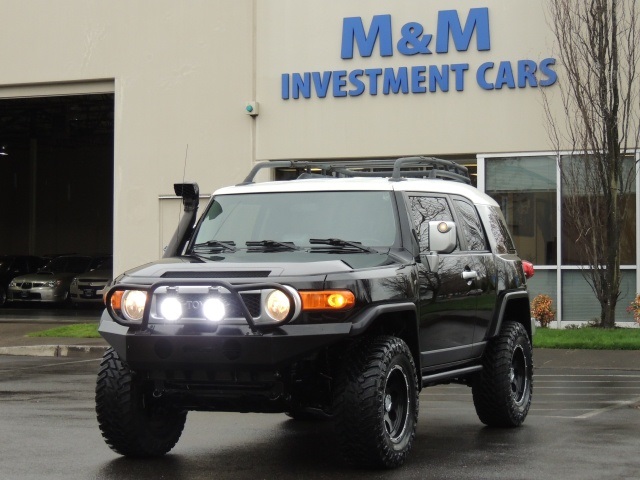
column 471, row 226
column 427, row 209
column 582, row 209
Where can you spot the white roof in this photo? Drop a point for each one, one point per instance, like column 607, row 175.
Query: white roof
column 363, row 183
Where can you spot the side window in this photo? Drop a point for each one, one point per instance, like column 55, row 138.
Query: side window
column 20, row 265
column 425, row 210
column 471, row 226
column 504, row 243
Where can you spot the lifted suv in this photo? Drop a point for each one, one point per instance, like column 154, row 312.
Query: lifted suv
column 321, row 297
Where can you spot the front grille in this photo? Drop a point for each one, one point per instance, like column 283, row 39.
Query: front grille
column 219, row 274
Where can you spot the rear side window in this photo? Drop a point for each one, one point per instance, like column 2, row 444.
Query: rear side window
column 471, row 226
column 504, row 243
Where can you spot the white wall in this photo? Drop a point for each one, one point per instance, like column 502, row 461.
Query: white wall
column 182, row 71
column 299, row 37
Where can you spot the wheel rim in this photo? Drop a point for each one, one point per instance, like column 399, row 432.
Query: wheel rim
column 518, row 378
column 396, row 403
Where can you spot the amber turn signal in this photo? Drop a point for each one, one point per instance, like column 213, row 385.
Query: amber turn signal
column 116, row 299
column 327, row 300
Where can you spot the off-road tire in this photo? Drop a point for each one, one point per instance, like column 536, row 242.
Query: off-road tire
column 502, row 391
column 376, row 402
column 132, row 422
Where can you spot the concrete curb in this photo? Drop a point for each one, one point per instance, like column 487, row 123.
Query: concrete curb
column 85, row 351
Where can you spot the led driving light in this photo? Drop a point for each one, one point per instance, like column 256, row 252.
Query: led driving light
column 132, row 304
column 277, row 305
column 171, row 309
column 213, row 309
column 327, row 300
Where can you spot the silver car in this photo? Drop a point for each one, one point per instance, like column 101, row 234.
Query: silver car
column 88, row 287
column 50, row 283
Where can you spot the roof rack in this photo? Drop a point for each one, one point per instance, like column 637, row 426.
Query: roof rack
column 395, row 169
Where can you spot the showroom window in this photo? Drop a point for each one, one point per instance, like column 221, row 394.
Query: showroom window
column 525, row 189
column 579, row 201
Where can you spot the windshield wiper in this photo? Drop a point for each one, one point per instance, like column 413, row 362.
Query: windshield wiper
column 338, row 242
column 226, row 245
column 271, row 245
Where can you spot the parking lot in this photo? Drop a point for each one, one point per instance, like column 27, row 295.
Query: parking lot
column 584, row 424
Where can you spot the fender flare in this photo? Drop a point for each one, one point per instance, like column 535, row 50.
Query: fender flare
column 519, row 295
column 363, row 320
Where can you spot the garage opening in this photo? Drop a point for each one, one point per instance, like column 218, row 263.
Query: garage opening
column 56, row 175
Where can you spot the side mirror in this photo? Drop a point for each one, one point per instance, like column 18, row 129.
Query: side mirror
column 442, row 236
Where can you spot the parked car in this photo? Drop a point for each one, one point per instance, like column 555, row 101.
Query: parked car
column 88, row 287
column 12, row 266
column 51, row 283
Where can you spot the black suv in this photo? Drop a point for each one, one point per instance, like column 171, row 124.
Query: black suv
column 337, row 295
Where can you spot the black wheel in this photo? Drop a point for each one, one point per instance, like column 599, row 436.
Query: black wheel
column 376, row 402
column 3, row 297
column 132, row 422
column 503, row 390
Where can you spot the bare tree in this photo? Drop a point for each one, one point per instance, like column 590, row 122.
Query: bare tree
column 597, row 42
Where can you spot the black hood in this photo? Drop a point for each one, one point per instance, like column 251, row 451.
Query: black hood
column 259, row 264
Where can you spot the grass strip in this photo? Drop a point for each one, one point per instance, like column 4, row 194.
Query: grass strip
column 78, row 330
column 588, row 338
column 573, row 338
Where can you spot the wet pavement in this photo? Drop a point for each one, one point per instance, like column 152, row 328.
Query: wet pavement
column 584, row 424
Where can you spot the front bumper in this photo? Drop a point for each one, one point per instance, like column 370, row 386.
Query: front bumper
column 37, row 294
column 227, row 347
column 84, row 294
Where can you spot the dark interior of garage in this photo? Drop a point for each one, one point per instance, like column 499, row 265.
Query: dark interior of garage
column 56, row 175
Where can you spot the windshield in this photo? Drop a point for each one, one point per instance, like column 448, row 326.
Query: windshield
column 67, row 264
column 299, row 217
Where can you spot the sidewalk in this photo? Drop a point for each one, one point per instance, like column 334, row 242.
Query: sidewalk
column 13, row 341
column 587, row 359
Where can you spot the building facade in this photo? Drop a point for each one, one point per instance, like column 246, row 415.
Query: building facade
column 202, row 90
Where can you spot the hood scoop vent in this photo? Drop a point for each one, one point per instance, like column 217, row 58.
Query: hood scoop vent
column 219, row 274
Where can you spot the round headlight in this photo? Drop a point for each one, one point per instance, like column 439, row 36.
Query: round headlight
column 171, row 309
column 277, row 305
column 133, row 303
column 213, row 309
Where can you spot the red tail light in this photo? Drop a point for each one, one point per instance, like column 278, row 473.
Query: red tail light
column 529, row 271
